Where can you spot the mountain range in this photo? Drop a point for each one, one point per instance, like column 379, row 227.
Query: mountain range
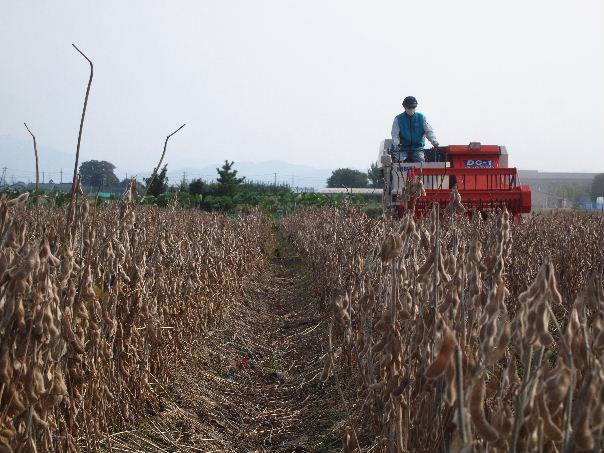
column 17, row 156
column 267, row 172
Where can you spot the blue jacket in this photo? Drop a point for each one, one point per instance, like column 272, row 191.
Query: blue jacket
column 411, row 130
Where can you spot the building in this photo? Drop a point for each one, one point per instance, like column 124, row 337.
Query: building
column 548, row 187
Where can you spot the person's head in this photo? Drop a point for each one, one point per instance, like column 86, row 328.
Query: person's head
column 410, row 104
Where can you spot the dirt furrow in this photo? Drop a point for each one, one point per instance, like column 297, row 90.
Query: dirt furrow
column 254, row 385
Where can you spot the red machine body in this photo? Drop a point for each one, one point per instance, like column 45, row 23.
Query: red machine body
column 480, row 174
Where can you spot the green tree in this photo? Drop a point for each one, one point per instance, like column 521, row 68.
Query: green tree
column 347, row 177
column 183, row 186
column 125, row 184
column 159, row 184
column 597, row 186
column 376, row 177
column 197, row 187
column 98, row 173
column 228, row 182
column 572, row 191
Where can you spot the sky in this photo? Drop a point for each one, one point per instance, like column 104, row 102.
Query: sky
column 307, row 82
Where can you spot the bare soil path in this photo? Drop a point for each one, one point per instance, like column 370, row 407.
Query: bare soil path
column 255, row 384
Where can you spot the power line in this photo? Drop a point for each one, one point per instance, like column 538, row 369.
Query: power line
column 274, row 177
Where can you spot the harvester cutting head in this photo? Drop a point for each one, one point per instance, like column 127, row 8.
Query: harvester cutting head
column 479, row 173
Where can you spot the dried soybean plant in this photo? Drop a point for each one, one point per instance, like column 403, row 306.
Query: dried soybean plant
column 92, row 317
column 444, row 355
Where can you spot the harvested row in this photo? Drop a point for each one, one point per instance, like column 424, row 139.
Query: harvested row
column 94, row 314
column 446, row 349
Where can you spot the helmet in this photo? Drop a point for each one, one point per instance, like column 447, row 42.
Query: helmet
column 410, row 102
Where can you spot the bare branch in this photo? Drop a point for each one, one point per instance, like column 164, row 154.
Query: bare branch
column 77, row 160
column 36, row 154
column 154, row 174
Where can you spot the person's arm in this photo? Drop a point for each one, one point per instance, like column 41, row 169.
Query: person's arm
column 396, row 139
column 429, row 132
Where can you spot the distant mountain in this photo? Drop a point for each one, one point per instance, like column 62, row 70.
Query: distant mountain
column 18, row 157
column 295, row 175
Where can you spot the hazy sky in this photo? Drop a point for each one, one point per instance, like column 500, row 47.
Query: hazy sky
column 311, row 82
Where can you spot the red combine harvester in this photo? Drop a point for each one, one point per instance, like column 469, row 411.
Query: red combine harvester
column 478, row 172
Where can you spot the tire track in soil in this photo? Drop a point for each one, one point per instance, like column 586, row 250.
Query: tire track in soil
column 255, row 384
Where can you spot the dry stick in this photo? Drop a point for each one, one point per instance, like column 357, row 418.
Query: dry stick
column 521, row 401
column 540, row 437
column 36, row 154
column 87, row 259
column 154, row 175
column 77, row 159
column 436, row 264
column 463, row 303
column 569, row 401
column 339, row 387
column 436, row 269
column 460, row 394
column 458, row 350
column 394, row 297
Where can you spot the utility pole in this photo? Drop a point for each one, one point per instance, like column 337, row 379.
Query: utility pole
column 43, row 177
column 275, row 179
column 61, row 176
column 2, row 182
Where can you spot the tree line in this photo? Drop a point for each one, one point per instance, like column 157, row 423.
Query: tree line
column 101, row 174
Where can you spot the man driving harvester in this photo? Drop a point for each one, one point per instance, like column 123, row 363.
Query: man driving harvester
column 408, row 132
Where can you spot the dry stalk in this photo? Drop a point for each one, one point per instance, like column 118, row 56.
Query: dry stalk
column 493, row 304
column 36, row 157
column 77, row 158
column 161, row 159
